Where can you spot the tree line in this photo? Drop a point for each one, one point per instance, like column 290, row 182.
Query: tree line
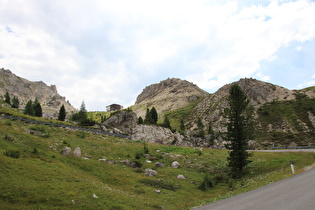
column 32, row 108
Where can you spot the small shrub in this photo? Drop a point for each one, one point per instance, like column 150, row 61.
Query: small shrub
column 231, row 185
column 82, row 134
column 12, row 153
column 137, row 164
column 35, row 151
column 139, row 154
column 145, row 148
column 206, row 183
column 220, row 178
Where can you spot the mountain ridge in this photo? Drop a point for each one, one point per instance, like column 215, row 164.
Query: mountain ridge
column 26, row 90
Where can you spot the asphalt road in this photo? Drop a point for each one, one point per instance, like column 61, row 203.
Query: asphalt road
column 294, row 193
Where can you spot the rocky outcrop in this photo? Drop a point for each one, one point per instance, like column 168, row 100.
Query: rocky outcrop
column 167, row 95
column 26, row 90
column 161, row 135
column 156, row 134
column 123, row 120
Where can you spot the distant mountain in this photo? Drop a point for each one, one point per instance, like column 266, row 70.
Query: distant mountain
column 167, row 95
column 282, row 116
column 26, row 90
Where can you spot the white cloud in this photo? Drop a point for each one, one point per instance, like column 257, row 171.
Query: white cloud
column 105, row 51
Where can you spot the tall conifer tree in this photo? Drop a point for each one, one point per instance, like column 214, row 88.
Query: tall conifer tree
column 62, row 113
column 239, row 130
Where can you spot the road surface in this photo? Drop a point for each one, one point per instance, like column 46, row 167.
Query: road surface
column 294, row 193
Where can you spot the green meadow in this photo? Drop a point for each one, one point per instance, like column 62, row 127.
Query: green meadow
column 34, row 175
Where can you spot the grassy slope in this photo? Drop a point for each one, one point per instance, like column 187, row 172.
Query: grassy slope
column 49, row 180
column 293, row 113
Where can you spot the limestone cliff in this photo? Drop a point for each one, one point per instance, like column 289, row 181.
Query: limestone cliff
column 26, row 90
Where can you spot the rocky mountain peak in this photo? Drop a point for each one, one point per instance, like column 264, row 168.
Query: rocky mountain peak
column 169, row 94
column 169, row 88
column 27, row 90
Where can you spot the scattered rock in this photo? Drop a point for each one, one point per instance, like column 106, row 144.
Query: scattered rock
column 95, row 196
column 85, row 158
column 150, row 172
column 102, row 160
column 77, row 152
column 157, row 191
column 180, row 177
column 158, row 164
column 66, row 151
column 126, row 162
column 175, row 164
column 148, row 161
column 111, row 162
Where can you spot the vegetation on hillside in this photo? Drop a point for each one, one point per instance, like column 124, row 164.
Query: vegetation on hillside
column 284, row 122
column 34, row 175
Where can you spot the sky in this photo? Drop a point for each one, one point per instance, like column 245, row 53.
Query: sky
column 104, row 51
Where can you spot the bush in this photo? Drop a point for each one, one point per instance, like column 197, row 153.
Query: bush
column 139, row 154
column 12, row 153
column 35, row 151
column 206, row 183
column 145, row 148
column 82, row 134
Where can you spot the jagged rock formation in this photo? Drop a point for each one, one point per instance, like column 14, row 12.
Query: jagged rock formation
column 294, row 120
column 160, row 135
column 167, row 95
column 26, row 90
column 123, row 120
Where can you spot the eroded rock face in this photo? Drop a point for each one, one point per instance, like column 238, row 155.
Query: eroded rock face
column 155, row 134
column 123, row 120
column 26, row 90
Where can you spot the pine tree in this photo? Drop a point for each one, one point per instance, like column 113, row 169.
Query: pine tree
column 82, row 116
column 151, row 116
column 154, row 115
column 15, row 102
column 147, row 118
column 167, row 123
column 140, row 120
column 239, row 130
column 62, row 113
column 7, row 98
column 29, row 108
column 38, row 112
